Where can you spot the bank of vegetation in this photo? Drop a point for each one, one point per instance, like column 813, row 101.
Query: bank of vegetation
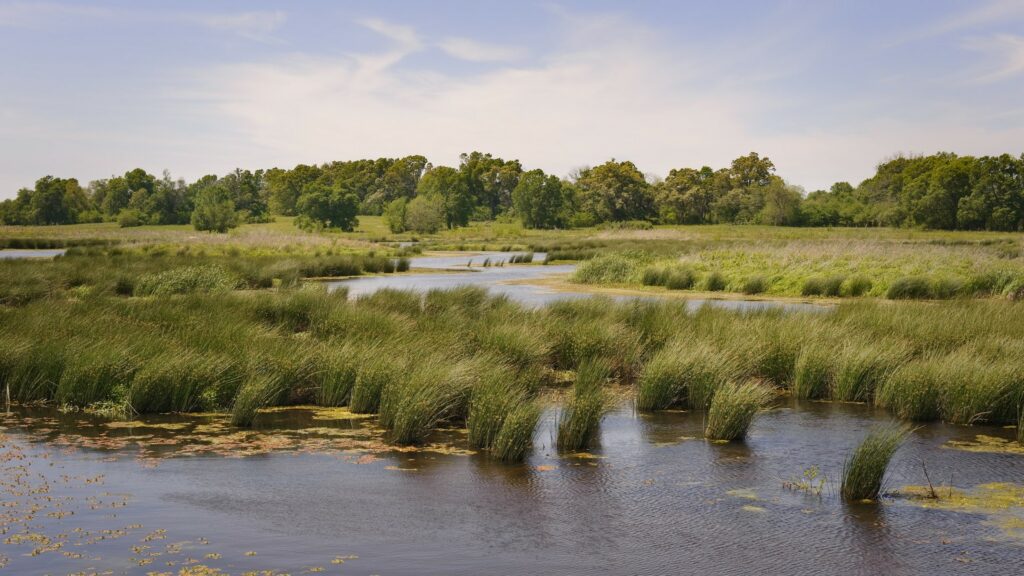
column 186, row 338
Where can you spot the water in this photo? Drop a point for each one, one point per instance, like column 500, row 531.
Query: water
column 652, row 499
column 42, row 253
column 514, row 281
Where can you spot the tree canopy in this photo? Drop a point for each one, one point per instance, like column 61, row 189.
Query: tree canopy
column 940, row 191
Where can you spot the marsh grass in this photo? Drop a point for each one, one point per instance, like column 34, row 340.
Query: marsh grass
column 336, row 376
column 715, row 281
column 864, row 470
column 181, row 380
column 756, row 285
column 96, row 371
column 377, row 371
column 437, row 390
column 733, row 408
column 514, row 439
column 812, row 374
column 259, row 391
column 911, row 392
column 859, row 367
column 580, row 419
column 491, row 402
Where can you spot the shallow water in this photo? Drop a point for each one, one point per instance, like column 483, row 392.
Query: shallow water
column 41, row 253
column 652, row 499
column 467, row 270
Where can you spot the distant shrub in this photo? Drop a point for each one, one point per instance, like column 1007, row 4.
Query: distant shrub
column 755, row 285
column 827, row 286
column 129, row 218
column 945, row 288
column 608, row 269
column 715, row 282
column 910, row 288
column 856, row 286
column 626, row 225
column 654, row 276
column 681, row 279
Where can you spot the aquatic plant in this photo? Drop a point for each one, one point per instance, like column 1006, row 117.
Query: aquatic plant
column 377, row 370
column 864, row 470
column 812, row 372
column 491, row 402
column 515, row 437
column 912, row 390
column 259, row 391
column 580, row 418
column 859, row 367
column 436, row 390
column 182, row 380
column 733, row 408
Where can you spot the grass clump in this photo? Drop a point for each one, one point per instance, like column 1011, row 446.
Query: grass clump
column 186, row 280
column 259, row 391
column 857, row 286
column 910, row 288
column 685, row 373
column 580, row 419
column 864, row 471
column 491, row 401
column 436, row 391
column 812, row 373
column 755, row 285
column 515, row 437
column 831, row 286
column 715, row 282
column 733, row 408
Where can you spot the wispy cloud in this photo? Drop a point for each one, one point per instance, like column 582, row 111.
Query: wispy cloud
column 253, row 25
column 474, row 51
column 1007, row 53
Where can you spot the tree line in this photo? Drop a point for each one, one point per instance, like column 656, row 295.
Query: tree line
column 940, row 191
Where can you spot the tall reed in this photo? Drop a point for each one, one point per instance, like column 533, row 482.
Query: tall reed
column 580, row 419
column 733, row 409
column 864, row 471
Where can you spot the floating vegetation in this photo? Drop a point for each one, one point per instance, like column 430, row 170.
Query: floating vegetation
column 1002, row 502
column 985, row 443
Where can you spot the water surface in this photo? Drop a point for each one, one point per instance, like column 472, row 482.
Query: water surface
column 17, row 254
column 654, row 498
column 513, row 280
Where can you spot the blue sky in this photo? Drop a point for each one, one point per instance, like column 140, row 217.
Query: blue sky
column 825, row 89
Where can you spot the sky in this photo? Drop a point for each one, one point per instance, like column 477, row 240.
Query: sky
column 827, row 90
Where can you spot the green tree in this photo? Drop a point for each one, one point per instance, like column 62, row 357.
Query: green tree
column 424, row 214
column 214, row 209
column 490, row 181
column 394, row 215
column 541, row 201
column 285, row 186
column 685, row 197
column 327, row 206
column 445, row 186
column 614, row 191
